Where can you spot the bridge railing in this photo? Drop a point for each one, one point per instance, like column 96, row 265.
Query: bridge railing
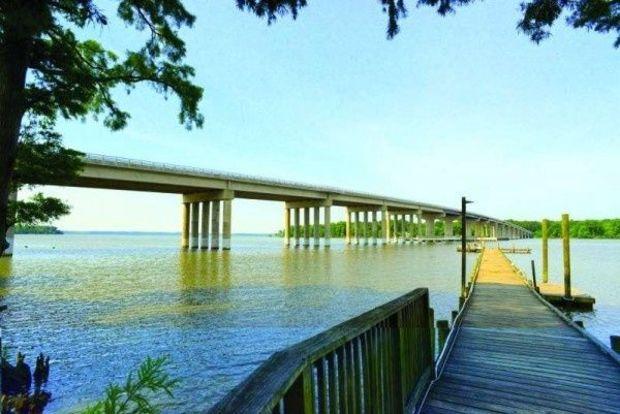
column 381, row 361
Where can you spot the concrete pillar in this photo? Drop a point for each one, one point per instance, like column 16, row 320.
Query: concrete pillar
column 403, row 228
column 307, row 227
column 395, row 230
column 430, row 226
column 287, row 226
column 204, row 224
column 185, row 207
column 385, row 225
column 317, row 225
column 227, row 224
column 347, row 227
column 215, row 225
column 194, row 220
column 328, row 222
column 374, row 227
column 412, row 230
column 296, row 226
column 421, row 227
column 357, row 227
column 365, row 233
column 448, row 227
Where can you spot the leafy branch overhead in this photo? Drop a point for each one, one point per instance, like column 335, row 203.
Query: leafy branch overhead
column 73, row 78
column 538, row 15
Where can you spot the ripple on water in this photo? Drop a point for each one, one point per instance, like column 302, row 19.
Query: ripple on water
column 99, row 304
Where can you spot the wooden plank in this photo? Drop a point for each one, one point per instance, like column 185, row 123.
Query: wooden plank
column 514, row 354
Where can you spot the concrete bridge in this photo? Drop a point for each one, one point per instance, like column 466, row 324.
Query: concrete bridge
column 207, row 197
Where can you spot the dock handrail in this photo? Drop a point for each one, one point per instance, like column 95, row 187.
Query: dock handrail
column 380, row 361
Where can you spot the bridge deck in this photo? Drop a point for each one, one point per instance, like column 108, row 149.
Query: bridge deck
column 513, row 354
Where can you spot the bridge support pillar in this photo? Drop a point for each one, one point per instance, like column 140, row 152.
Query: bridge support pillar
column 215, row 225
column 385, row 225
column 448, row 227
column 185, row 208
column 403, row 228
column 204, row 224
column 296, row 226
column 374, row 228
column 307, row 227
column 211, row 203
column 347, row 227
column 311, row 225
column 328, row 223
column 357, row 228
column 316, row 226
column 287, row 226
column 365, row 228
column 194, row 220
column 395, row 230
column 430, row 218
column 227, row 224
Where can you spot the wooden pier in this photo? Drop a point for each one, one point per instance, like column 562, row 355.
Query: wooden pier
column 512, row 352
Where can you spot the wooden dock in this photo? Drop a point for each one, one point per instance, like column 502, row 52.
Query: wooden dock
column 514, row 353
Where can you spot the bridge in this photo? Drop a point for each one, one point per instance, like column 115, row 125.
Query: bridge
column 207, row 197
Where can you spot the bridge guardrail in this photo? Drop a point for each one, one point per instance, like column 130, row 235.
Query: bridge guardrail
column 380, row 361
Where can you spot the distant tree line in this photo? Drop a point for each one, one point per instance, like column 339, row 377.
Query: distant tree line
column 338, row 229
column 579, row 229
column 36, row 229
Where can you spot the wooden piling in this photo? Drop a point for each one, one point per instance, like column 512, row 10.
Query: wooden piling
column 566, row 256
column 545, row 251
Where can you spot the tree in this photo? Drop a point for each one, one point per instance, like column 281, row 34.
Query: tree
column 46, row 72
column 538, row 15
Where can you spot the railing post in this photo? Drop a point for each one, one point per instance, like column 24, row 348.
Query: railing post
column 431, row 327
column 398, row 337
column 300, row 396
column 443, row 328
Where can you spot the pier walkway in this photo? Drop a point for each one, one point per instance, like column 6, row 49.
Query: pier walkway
column 512, row 353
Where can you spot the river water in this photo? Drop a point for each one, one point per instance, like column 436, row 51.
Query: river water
column 99, row 304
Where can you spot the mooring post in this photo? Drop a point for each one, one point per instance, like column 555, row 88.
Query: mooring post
column 443, row 328
column 545, row 251
column 615, row 342
column 566, row 250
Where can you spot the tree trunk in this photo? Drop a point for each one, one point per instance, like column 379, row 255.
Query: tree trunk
column 13, row 67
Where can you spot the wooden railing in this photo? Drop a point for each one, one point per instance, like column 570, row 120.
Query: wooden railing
column 379, row 362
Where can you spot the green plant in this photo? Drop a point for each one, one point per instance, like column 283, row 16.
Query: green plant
column 136, row 394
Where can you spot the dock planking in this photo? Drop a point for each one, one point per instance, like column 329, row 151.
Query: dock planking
column 513, row 354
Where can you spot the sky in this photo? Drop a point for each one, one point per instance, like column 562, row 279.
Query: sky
column 461, row 105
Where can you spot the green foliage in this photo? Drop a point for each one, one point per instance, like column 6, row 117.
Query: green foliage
column 135, row 395
column 73, row 78
column 35, row 229
column 41, row 159
column 538, row 15
column 338, row 229
column 580, row 229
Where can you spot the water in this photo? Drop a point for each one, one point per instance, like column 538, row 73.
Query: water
column 99, row 304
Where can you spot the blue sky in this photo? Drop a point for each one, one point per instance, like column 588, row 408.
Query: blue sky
column 463, row 105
